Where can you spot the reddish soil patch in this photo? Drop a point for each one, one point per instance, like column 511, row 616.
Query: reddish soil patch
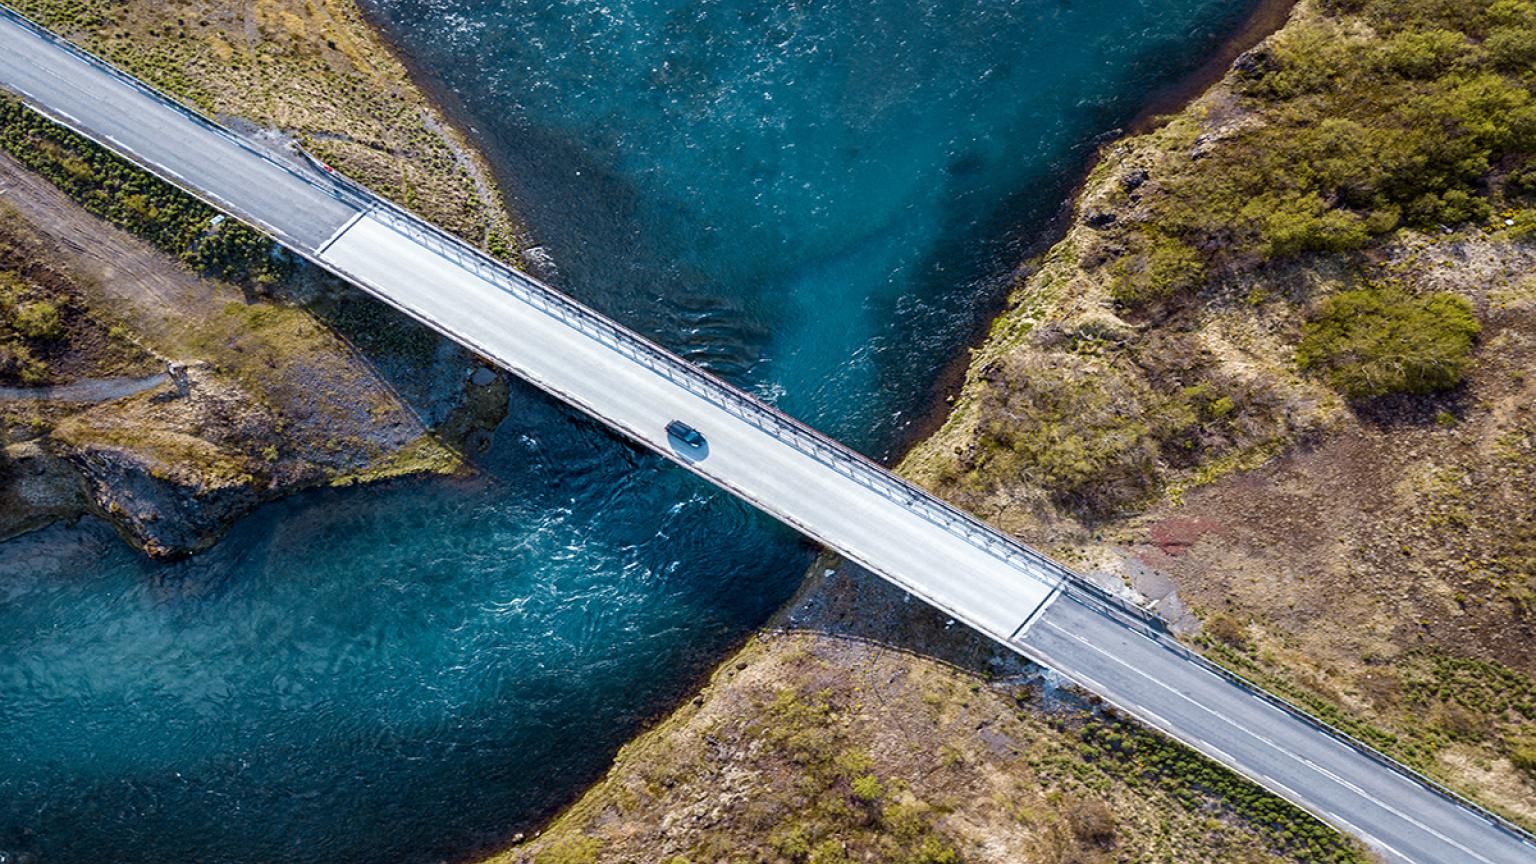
column 1174, row 537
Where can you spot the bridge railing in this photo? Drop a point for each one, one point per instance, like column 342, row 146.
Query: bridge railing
column 690, row 377
column 826, row 450
column 167, row 100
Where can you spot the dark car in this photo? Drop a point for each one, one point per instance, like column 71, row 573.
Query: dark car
column 685, row 433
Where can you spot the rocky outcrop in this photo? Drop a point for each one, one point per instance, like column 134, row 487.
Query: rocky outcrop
column 162, row 515
column 173, row 468
column 36, row 488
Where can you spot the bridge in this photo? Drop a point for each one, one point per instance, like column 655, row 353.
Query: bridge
column 951, row 560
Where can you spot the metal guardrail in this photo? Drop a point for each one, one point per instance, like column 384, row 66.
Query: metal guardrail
column 766, row 417
column 172, row 102
column 690, row 377
column 846, row 461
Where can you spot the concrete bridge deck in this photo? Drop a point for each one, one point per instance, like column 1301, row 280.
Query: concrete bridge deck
column 833, row 495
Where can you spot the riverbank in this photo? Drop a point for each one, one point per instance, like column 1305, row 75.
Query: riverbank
column 1266, row 17
column 863, row 726
column 277, row 378
column 317, row 72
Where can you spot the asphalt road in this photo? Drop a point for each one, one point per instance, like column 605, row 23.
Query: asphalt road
column 206, row 160
column 855, row 508
column 1145, row 675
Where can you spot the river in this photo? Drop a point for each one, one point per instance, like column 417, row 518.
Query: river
column 821, row 201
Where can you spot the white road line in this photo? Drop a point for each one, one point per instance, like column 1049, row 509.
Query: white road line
column 881, row 531
column 1277, row 748
column 320, row 251
column 988, row 590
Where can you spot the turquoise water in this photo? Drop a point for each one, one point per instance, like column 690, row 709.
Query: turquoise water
column 820, row 201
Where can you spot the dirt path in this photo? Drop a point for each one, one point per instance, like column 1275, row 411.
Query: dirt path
column 137, row 281
column 86, row 389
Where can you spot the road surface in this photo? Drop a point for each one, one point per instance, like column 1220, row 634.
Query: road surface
column 852, row 506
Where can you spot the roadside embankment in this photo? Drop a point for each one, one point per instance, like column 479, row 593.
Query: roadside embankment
column 864, row 726
column 278, row 378
column 315, row 71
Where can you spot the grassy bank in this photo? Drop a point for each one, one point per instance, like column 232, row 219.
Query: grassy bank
column 814, row 748
column 132, row 199
column 1279, row 374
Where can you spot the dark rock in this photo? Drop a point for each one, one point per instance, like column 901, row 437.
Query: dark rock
column 1099, row 218
column 1134, row 180
column 1254, row 63
column 168, row 519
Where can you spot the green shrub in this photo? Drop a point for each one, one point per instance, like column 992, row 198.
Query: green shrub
column 1227, row 630
column 1302, row 61
column 1290, row 225
column 39, row 320
column 1512, row 48
column 1219, row 408
column 11, row 288
column 1140, row 755
column 1512, row 13
column 18, row 364
column 1092, row 822
column 1364, row 125
column 1452, row 207
column 1379, row 340
column 935, row 851
column 828, row 852
column 793, row 843
column 137, row 201
column 868, row 788
column 1524, row 227
column 1163, row 267
column 1075, row 427
column 1522, row 180
column 1524, row 758
column 1424, row 54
